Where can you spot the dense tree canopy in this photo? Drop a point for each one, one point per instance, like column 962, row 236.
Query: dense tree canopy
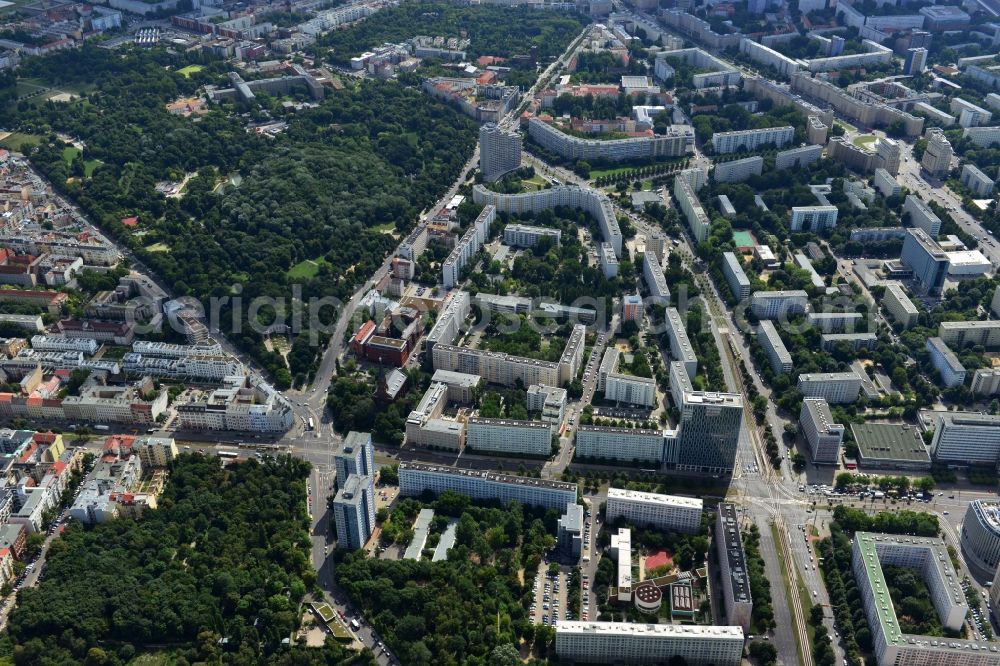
column 226, row 552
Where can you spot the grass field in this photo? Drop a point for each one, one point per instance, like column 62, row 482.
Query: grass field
column 866, row 141
column 158, row 247
column 70, row 153
column 304, row 270
column 598, row 173
column 18, row 141
column 186, row 72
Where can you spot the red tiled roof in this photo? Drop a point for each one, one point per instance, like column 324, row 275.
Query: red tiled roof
column 130, row 221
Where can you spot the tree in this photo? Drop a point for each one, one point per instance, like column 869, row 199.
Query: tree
column 505, row 655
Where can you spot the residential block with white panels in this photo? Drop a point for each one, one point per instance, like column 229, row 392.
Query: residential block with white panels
column 668, row 512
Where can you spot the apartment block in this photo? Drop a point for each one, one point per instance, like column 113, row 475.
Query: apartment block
column 355, row 455
column 455, row 310
column 958, row 334
column 813, row 218
column 798, row 157
column 417, row 478
column 778, row 304
column 550, row 402
column 768, row 57
column 667, row 512
column 899, row 306
column 630, row 390
column 569, row 531
column 677, row 142
column 978, row 182
column 652, row 273
column 966, row 439
column 354, row 512
column 531, row 438
column 823, row 435
column 155, row 451
column 929, row 557
column 980, row 539
column 523, row 235
column 855, row 340
column 712, row 72
column 748, row 140
column 628, row 643
column 834, row 387
column 924, row 256
column 921, row 216
column 499, row 151
column 242, row 404
column 986, row 381
column 737, row 171
column 777, row 353
column 886, row 184
column 834, row 322
column 968, row 114
column 603, row 443
column 946, row 363
column 468, row 245
column 680, row 345
column 688, row 201
column 733, row 562
column 732, row 269
column 593, row 202
column 937, row 157
column 984, row 137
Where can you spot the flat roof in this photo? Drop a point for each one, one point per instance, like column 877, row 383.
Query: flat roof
column 652, row 630
column 735, row 556
column 828, row 376
column 890, row 441
column 453, row 378
column 489, row 476
column 655, row 498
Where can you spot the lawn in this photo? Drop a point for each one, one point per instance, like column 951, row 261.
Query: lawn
column 534, row 183
column 69, row 154
column 304, row 270
column 599, row 173
column 866, row 141
column 186, row 72
column 18, row 140
column 158, row 247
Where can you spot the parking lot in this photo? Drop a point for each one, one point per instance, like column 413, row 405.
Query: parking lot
column 550, row 607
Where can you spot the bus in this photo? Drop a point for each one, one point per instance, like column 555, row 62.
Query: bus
column 312, row 425
column 228, row 455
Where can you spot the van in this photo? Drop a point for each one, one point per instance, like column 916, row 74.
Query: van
column 586, row 558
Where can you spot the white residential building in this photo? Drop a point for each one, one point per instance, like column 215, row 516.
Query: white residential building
column 591, row 201
column 731, row 142
column 687, row 199
column 922, row 216
column 777, row 353
column 732, row 269
column 984, row 137
column 966, row 439
column 834, row 387
column 981, row 536
column 602, row 443
column 778, row 304
column 354, row 512
column 628, row 643
column 653, row 275
column 630, row 390
column 978, row 182
column 416, row 478
column 473, row 239
column 242, row 404
column 823, row 435
column 680, row 345
column 524, row 235
column 737, row 171
column 885, row 183
column 677, row 142
column 668, row 512
column 499, row 151
column 798, row 157
column 945, row 362
column 733, row 562
column 813, row 218
column 531, row 438
column 899, row 306
column 968, row 114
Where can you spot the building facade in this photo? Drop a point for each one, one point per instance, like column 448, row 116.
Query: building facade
column 668, row 512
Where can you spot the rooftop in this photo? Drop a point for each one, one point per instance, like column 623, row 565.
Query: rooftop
column 650, row 630
column 488, row 476
column 655, row 498
column 890, row 441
